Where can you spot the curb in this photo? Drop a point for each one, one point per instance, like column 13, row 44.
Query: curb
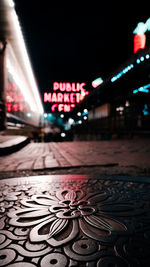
column 9, row 149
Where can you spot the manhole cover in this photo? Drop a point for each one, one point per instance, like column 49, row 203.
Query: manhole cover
column 74, row 220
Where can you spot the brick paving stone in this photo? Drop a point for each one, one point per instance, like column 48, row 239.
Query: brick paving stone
column 61, row 160
column 26, row 165
column 38, row 163
column 123, row 153
column 50, row 162
column 70, row 157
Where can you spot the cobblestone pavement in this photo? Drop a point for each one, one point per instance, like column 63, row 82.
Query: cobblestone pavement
column 116, row 154
column 74, row 220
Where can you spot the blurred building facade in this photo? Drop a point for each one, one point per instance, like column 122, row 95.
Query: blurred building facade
column 20, row 102
column 119, row 106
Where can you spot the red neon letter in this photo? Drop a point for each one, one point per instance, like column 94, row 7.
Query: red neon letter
column 73, row 87
column 68, row 87
column 81, row 86
column 62, row 87
column 72, row 97
column 8, row 107
column 55, row 86
column 47, row 97
column 66, row 98
column 67, row 108
column 54, row 97
column 78, row 96
column 15, row 107
column 60, row 97
column 60, row 107
column 54, row 107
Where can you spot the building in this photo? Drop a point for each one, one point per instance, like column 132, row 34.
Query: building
column 20, row 102
column 120, row 105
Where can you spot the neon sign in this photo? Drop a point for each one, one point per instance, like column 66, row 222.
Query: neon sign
column 65, row 96
column 97, row 82
column 122, row 72
column 143, row 89
column 14, row 99
column 140, row 37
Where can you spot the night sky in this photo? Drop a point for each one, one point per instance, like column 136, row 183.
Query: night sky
column 77, row 43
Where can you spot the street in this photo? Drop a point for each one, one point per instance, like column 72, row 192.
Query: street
column 74, row 135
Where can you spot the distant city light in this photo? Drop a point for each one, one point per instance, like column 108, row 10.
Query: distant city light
column 79, row 122
column 29, row 115
column 122, row 72
column 71, row 121
column 79, row 113
column 142, row 58
column 45, row 115
column 129, row 67
column 127, row 104
column 62, row 116
column 143, row 89
column 85, row 117
column 63, row 135
column 120, row 109
column 97, row 82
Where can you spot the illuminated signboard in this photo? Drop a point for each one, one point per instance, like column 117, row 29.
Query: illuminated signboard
column 97, row 82
column 14, row 99
column 65, row 96
column 140, row 37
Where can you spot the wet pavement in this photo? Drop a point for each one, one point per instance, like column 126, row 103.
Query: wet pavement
column 74, row 220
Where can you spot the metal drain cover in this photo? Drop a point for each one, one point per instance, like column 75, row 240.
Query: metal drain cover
column 74, row 220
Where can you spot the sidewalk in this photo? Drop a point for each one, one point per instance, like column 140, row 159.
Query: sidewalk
column 10, row 143
column 120, row 155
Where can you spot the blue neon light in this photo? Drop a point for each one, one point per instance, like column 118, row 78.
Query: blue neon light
column 129, row 67
column 141, row 59
column 145, row 110
column 142, row 27
column 124, row 71
column 143, row 89
column 135, row 91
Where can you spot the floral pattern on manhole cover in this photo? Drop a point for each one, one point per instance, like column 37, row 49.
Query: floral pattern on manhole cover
column 50, row 216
